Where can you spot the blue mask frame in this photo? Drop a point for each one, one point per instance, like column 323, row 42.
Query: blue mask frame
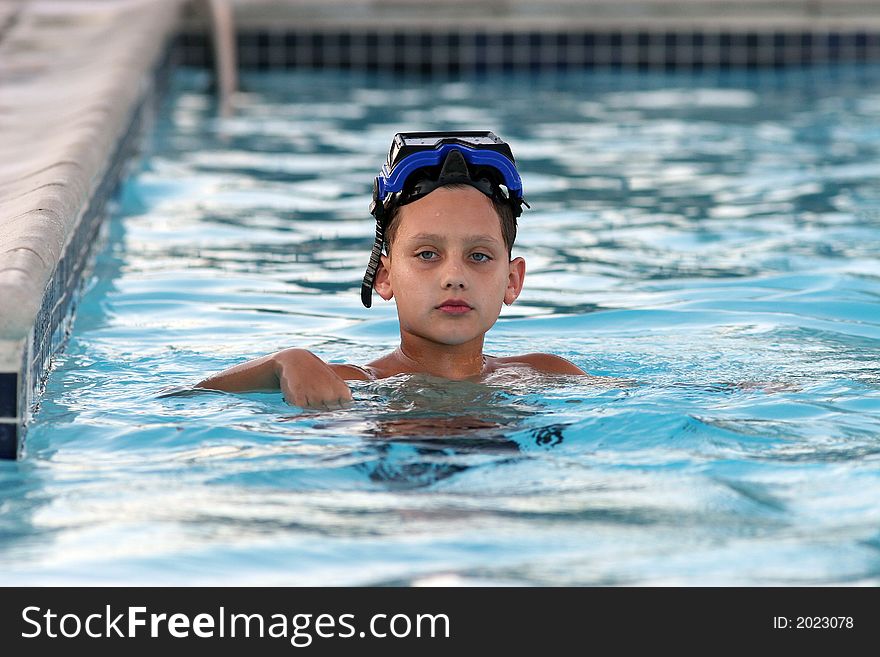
column 392, row 178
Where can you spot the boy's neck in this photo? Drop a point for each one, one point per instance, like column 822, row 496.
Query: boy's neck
column 418, row 355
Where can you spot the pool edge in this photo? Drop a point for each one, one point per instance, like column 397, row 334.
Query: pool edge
column 50, row 218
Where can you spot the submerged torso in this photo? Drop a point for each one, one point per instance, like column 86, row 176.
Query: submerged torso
column 390, row 365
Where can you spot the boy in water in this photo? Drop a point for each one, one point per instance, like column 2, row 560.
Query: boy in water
column 446, row 206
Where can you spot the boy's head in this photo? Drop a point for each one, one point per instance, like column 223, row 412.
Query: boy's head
column 423, row 162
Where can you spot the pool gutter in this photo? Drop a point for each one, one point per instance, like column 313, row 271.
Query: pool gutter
column 78, row 83
column 553, row 15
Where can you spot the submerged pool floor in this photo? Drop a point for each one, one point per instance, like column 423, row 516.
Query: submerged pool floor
column 712, row 242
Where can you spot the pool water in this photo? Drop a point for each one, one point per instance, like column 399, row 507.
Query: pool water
column 709, row 242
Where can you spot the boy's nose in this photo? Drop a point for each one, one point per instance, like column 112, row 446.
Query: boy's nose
column 453, row 277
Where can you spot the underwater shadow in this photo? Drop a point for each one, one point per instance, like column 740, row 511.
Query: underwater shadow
column 424, row 430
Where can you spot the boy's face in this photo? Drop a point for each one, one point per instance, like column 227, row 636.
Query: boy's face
column 448, row 247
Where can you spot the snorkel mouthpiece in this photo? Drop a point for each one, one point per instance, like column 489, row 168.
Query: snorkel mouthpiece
column 420, row 162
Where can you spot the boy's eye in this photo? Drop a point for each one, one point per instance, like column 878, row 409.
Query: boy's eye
column 430, row 255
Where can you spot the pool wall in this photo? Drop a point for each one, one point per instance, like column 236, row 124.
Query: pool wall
column 458, row 36
column 77, row 83
column 78, row 80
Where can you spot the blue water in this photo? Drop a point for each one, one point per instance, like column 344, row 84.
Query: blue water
column 709, row 242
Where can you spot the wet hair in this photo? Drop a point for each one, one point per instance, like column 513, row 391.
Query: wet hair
column 502, row 209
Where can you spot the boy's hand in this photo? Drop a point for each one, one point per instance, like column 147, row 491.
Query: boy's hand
column 308, row 382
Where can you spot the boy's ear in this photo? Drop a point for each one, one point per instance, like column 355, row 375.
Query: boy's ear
column 515, row 278
column 382, row 281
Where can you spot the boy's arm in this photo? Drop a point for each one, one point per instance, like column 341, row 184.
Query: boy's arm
column 258, row 374
column 305, row 379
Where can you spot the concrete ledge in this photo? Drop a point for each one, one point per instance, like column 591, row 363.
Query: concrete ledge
column 73, row 76
column 543, row 15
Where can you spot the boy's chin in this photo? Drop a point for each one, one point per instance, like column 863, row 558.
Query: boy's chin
column 451, row 338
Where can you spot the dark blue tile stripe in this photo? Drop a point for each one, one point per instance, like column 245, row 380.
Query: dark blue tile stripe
column 8, row 440
column 8, row 394
column 429, row 51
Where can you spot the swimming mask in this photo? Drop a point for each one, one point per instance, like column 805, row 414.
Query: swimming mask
column 420, row 162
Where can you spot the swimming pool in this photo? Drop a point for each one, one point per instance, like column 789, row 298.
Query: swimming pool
column 710, row 241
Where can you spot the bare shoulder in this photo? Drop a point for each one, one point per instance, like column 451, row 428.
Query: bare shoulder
column 541, row 362
column 348, row 372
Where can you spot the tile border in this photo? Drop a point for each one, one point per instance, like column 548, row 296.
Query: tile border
column 433, row 51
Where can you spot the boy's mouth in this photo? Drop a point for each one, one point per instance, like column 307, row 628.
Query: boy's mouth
column 455, row 306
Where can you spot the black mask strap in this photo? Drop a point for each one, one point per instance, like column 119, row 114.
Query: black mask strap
column 375, row 259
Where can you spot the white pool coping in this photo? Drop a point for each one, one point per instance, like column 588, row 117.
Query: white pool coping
column 540, row 15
